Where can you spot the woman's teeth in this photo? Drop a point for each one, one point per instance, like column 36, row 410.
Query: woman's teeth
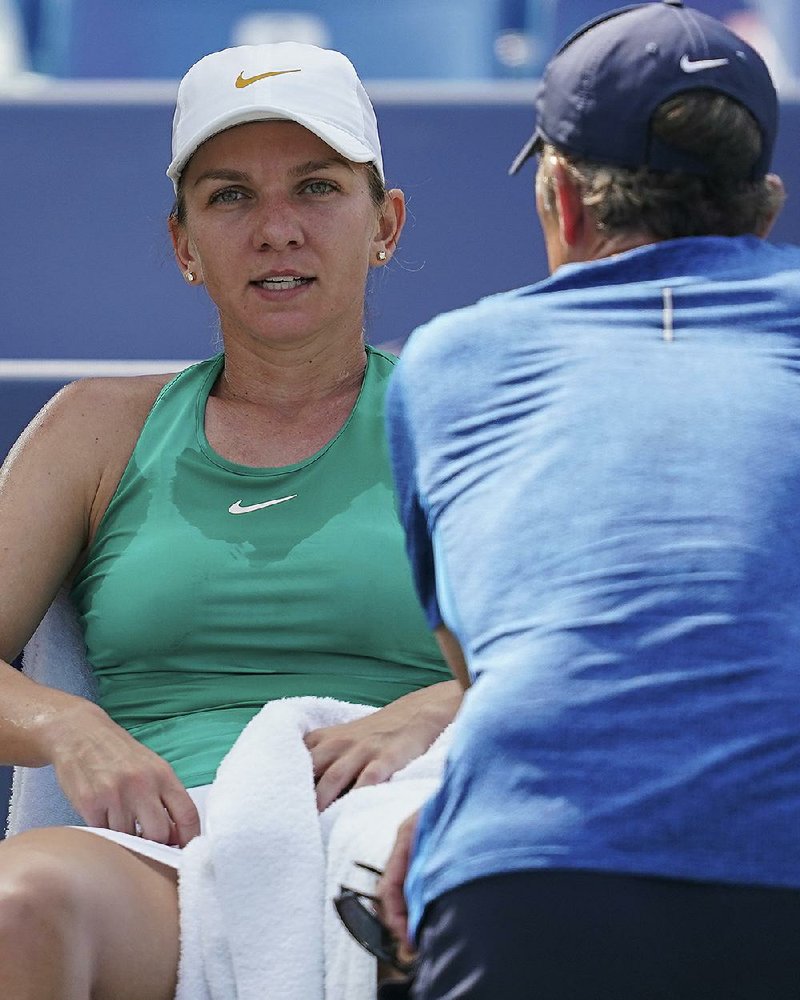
column 283, row 284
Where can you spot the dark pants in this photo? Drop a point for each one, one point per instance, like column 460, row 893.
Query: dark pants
column 568, row 935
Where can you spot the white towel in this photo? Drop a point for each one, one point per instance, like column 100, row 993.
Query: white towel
column 257, row 920
column 361, row 826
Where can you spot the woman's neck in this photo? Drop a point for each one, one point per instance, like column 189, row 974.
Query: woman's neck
column 276, row 410
column 290, row 379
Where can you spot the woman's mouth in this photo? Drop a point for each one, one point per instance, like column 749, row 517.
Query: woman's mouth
column 283, row 283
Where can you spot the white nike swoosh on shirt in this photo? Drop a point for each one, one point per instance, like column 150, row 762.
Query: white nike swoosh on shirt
column 237, row 508
column 695, row 66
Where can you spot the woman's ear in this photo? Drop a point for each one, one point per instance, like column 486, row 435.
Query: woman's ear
column 184, row 252
column 391, row 219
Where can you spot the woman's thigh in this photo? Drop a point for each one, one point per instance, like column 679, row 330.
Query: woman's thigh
column 119, row 910
column 563, row 935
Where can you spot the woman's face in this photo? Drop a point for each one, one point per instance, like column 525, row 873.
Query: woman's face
column 282, row 230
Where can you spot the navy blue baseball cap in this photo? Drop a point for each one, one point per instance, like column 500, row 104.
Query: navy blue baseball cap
column 598, row 93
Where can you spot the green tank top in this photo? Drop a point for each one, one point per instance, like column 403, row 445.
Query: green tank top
column 212, row 588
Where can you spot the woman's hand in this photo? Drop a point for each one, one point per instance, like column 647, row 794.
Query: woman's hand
column 370, row 750
column 391, row 898
column 115, row 782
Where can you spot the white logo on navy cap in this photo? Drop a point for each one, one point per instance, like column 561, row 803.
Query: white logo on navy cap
column 696, row 65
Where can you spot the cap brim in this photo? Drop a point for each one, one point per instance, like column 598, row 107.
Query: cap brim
column 531, row 147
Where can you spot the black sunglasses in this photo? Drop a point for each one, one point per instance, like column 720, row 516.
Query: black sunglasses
column 356, row 910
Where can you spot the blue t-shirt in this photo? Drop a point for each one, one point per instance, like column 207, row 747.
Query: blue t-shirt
column 599, row 478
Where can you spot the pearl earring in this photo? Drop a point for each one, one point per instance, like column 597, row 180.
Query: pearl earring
column 190, row 276
column 381, row 255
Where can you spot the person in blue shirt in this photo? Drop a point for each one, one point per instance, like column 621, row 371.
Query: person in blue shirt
column 599, row 480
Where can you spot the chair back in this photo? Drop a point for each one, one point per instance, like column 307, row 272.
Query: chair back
column 55, row 656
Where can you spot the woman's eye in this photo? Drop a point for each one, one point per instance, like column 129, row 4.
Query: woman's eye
column 320, row 187
column 226, row 196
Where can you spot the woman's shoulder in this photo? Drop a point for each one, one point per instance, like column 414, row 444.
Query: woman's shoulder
column 56, row 484
column 100, row 409
column 123, row 402
column 83, row 438
column 127, row 390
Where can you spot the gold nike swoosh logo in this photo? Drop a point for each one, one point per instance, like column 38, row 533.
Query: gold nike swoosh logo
column 245, row 81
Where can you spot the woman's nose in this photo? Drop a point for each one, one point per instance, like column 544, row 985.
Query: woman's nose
column 277, row 226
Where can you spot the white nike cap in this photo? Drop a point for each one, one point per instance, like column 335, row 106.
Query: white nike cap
column 291, row 81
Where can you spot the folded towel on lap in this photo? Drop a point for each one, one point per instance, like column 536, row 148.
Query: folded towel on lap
column 256, row 889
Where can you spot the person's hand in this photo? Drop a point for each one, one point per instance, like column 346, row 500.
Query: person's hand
column 370, row 750
column 116, row 783
column 389, row 890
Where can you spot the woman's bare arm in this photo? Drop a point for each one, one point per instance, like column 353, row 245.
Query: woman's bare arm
column 54, row 488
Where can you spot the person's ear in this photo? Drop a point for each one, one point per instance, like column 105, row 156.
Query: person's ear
column 185, row 256
column 569, row 206
column 778, row 197
column 391, row 219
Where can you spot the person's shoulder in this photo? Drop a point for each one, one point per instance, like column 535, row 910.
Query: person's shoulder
column 116, row 388
column 127, row 393
column 99, row 416
column 71, row 456
column 784, row 256
column 117, row 399
column 466, row 331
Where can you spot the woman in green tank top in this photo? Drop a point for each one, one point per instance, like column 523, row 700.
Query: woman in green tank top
column 228, row 535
